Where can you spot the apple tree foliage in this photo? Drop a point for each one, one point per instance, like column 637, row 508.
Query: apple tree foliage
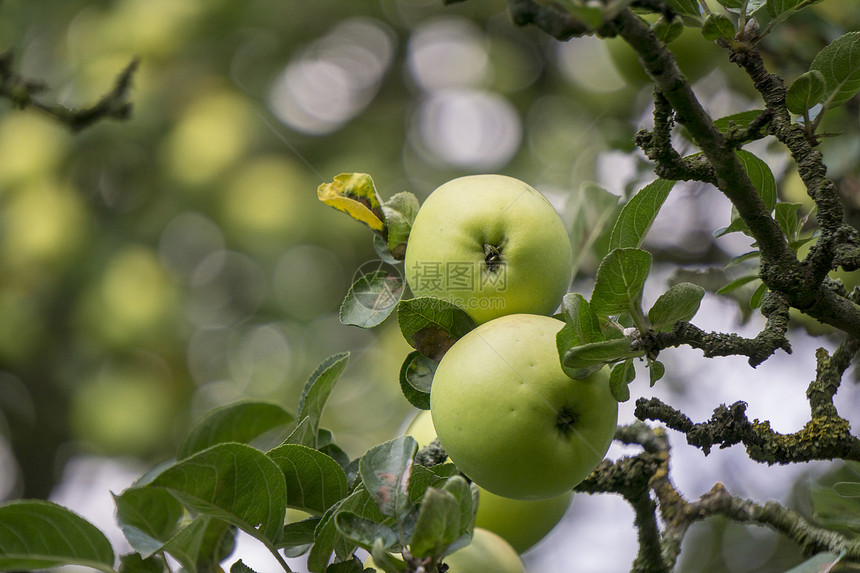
column 241, row 466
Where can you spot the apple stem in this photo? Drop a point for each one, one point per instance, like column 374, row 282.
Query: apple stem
column 492, row 257
column 565, row 420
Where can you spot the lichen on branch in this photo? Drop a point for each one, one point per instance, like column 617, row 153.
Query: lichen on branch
column 826, row 436
column 643, row 480
column 637, row 477
column 758, row 349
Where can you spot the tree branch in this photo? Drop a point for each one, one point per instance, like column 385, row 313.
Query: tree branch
column 634, row 477
column 780, row 270
column 811, row 538
column 839, row 244
column 657, row 146
column 802, row 284
column 627, row 477
column 758, row 349
column 822, row 438
column 631, row 478
column 559, row 25
column 24, row 93
column 731, row 177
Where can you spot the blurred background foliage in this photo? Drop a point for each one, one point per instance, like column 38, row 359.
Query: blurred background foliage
column 155, row 268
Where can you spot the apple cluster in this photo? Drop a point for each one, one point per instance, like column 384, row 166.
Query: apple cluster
column 504, row 410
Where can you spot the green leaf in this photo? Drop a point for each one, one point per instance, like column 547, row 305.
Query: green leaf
column 805, row 92
column 656, row 371
column 327, row 538
column 839, row 62
column 423, row 478
column 797, row 243
column 384, row 561
column 318, row 388
column 240, row 567
column 786, row 216
column 737, row 283
column 595, row 210
column 620, row 376
column 820, row 563
column 847, row 489
column 781, row 8
column 336, row 453
column 758, row 295
column 364, row 531
column 467, row 496
column 400, row 212
column 314, row 481
column 240, row 422
column 638, row 215
column 761, row 177
column 355, row 195
column 679, row 303
column 39, row 534
column 432, row 325
column 746, row 256
column 233, row 482
column 351, row 565
column 688, row 7
column 581, row 327
column 737, row 225
column 666, row 30
column 765, row 184
column 372, row 297
column 148, row 518
column 298, row 536
column 620, row 280
column 134, row 563
column 202, row 544
column 752, row 6
column 416, row 378
column 438, row 525
column 742, row 119
column 581, row 323
column 718, row 26
column 385, row 471
column 588, row 355
column 303, row 434
column 380, row 246
column 835, row 511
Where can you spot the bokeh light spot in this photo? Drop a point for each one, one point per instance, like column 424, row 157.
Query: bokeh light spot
column 334, row 78
column 468, row 128
column 448, row 53
column 212, row 135
column 42, row 224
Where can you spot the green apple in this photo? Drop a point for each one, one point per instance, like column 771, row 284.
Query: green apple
column 522, row 523
column 511, row 419
column 487, row 552
column 492, row 245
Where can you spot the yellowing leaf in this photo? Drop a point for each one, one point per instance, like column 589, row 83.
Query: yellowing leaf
column 355, row 195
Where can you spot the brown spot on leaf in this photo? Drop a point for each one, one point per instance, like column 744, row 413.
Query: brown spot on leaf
column 433, row 342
